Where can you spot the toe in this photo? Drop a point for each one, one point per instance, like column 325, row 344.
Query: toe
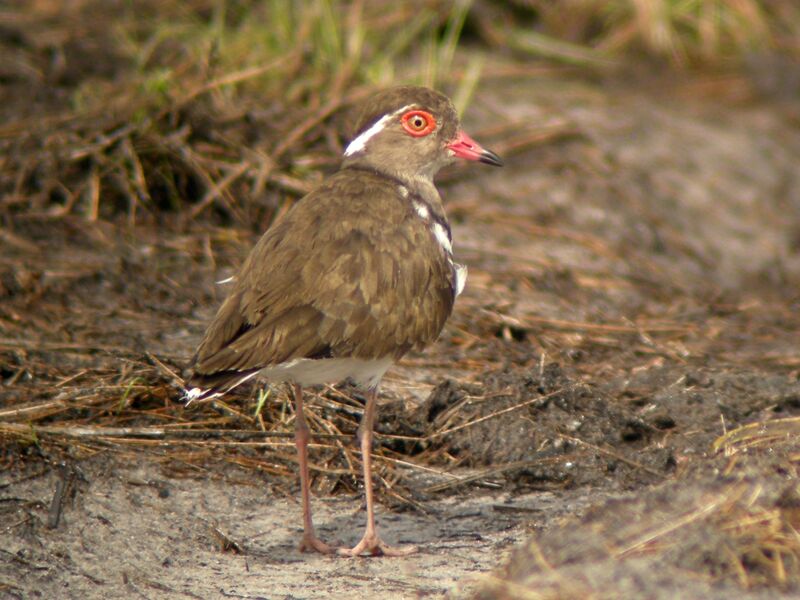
column 314, row 544
column 375, row 546
column 387, row 550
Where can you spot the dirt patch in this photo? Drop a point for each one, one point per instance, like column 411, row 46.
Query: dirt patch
column 726, row 527
column 130, row 531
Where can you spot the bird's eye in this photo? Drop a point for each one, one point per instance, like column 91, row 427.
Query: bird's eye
column 418, row 122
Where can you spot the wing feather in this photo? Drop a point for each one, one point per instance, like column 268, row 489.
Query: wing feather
column 363, row 278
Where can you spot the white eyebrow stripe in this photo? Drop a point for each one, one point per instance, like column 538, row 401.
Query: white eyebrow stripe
column 358, row 144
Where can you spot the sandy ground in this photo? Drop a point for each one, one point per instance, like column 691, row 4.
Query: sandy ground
column 129, row 533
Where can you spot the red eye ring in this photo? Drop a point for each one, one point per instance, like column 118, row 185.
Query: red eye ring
column 418, row 122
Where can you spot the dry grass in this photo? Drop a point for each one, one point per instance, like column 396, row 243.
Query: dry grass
column 192, row 107
column 132, row 413
column 197, row 109
column 739, row 528
column 759, row 435
column 682, row 33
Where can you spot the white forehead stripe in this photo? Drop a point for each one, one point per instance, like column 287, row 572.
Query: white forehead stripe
column 358, row 144
column 442, row 237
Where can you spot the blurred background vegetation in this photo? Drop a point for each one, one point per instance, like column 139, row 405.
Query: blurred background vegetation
column 197, row 109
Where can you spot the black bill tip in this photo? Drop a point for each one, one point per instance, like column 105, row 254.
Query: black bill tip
column 490, row 158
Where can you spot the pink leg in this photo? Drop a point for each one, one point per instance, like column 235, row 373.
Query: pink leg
column 371, row 542
column 301, row 436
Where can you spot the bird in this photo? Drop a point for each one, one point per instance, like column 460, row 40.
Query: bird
column 356, row 274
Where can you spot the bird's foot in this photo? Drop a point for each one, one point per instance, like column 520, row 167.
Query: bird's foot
column 375, row 546
column 311, row 543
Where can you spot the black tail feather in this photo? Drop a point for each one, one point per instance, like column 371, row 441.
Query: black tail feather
column 204, row 387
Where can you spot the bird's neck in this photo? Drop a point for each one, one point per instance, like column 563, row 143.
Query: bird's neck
column 420, row 184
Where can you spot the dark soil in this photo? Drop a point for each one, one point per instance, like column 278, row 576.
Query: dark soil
column 632, row 296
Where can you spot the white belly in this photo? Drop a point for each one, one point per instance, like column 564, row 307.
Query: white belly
column 309, row 371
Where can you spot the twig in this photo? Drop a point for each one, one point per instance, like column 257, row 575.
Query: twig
column 761, row 432
column 493, row 471
column 165, row 369
column 528, row 322
column 63, row 484
column 318, row 117
column 45, row 409
column 610, row 453
column 42, row 346
column 153, row 433
column 734, row 494
column 218, row 189
column 537, row 400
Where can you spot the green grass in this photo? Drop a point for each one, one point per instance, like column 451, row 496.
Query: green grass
column 210, row 105
column 708, row 33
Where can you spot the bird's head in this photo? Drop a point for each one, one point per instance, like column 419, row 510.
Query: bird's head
column 412, row 132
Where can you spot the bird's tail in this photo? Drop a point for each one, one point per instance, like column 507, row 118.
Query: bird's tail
column 207, row 387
